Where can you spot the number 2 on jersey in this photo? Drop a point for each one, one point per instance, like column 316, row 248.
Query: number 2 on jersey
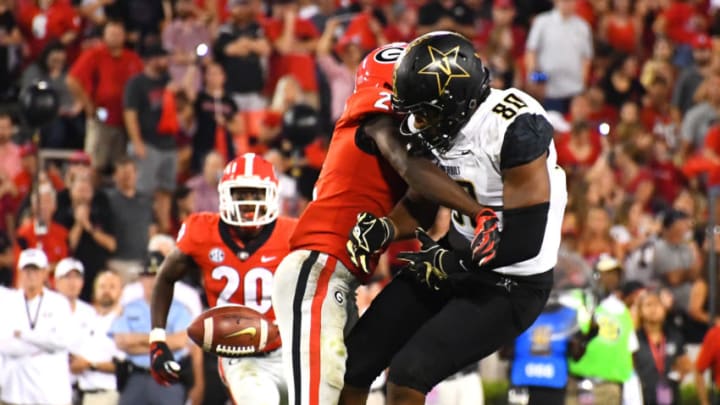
column 252, row 295
column 383, row 103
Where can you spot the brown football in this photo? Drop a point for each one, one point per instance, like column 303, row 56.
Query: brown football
column 234, row 331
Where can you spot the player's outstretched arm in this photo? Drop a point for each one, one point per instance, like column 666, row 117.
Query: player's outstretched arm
column 419, row 173
column 175, row 266
column 163, row 367
column 412, row 212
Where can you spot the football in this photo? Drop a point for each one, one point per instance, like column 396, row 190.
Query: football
column 234, row 331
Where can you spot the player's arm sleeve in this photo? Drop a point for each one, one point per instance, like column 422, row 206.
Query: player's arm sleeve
column 522, row 235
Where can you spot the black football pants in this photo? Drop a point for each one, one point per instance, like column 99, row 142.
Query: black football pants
column 425, row 336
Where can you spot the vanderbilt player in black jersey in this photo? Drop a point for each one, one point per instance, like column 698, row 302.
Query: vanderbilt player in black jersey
column 452, row 306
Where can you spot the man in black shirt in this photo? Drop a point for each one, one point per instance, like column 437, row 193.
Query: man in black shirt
column 87, row 215
column 213, row 108
column 240, row 47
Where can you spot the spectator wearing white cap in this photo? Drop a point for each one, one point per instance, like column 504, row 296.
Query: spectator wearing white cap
column 92, row 360
column 34, row 338
column 69, row 282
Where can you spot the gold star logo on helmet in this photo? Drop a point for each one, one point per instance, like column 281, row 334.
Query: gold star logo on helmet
column 444, row 66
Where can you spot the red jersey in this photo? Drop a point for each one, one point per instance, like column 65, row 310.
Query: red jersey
column 231, row 272
column 351, row 181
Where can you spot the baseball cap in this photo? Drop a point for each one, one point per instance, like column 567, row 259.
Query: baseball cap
column 672, row 216
column 152, row 263
column 32, row 258
column 607, row 263
column 701, row 41
column 67, row 265
column 503, row 4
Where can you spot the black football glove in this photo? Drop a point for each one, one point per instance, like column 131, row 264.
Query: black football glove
column 368, row 237
column 432, row 264
column 487, row 236
column 163, row 367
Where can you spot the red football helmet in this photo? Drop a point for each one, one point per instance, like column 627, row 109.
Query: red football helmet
column 376, row 70
column 248, row 192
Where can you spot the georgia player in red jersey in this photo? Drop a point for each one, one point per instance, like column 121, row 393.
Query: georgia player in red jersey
column 367, row 171
column 237, row 250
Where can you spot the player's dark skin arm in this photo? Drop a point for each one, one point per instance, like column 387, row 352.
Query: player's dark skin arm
column 411, row 212
column 526, row 185
column 175, row 266
column 419, row 173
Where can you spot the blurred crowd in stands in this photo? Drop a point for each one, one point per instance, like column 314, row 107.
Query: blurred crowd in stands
column 156, row 95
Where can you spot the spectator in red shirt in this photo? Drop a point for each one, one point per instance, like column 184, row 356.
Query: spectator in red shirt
column 579, row 149
column 678, row 22
column 294, row 40
column 24, row 179
column 668, row 179
column 711, row 155
column 656, row 113
column 709, row 358
column 503, row 16
column 340, row 74
column 620, row 28
column 40, row 231
column 43, row 20
column 97, row 79
column 633, row 176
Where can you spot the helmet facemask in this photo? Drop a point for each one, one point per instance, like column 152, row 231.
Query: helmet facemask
column 436, row 124
column 249, row 201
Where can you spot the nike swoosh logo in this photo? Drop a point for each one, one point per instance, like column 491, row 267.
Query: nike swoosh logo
column 247, row 331
column 266, row 259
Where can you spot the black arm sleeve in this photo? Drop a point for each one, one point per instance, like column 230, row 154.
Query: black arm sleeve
column 522, row 235
column 521, row 239
column 526, row 139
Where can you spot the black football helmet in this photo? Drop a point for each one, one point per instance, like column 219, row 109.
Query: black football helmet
column 439, row 81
